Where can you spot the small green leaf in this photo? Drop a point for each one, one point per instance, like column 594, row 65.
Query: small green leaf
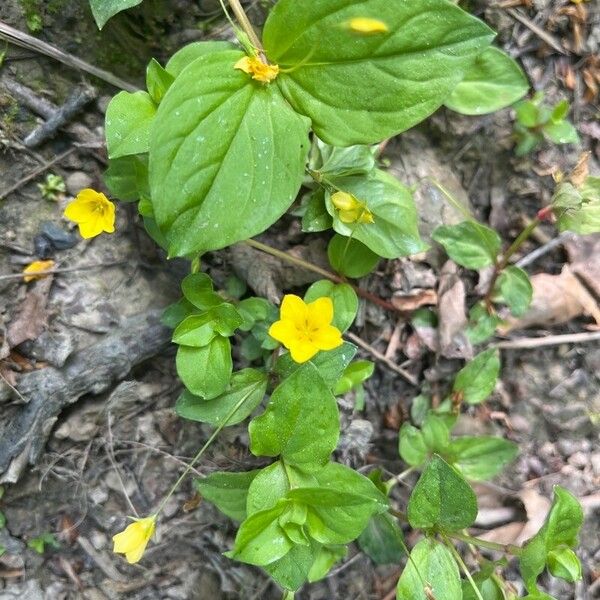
column 560, row 111
column 198, row 289
column 582, row 217
column 394, row 230
column 436, row 433
column 351, row 257
column 177, row 312
column 431, row 566
column 103, row 10
column 481, row 457
column 515, row 289
column 246, row 388
column 482, row 324
column 477, row 379
column 268, row 488
column 38, row 544
column 158, row 80
column 315, row 217
column 226, row 319
column 341, row 162
column 353, row 376
column 563, row 563
column 382, row 540
column 528, row 113
column 188, row 54
column 330, row 364
column 494, row 81
column 253, row 310
column 469, row 244
column 127, row 178
column 562, row 132
column 205, row 371
column 411, row 445
column 227, row 491
column 128, row 121
column 344, row 298
column 301, row 422
column 442, row 499
column 325, row 558
column 291, row 571
column 196, row 330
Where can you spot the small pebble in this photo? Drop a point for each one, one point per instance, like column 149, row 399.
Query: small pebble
column 578, row 460
column 78, row 181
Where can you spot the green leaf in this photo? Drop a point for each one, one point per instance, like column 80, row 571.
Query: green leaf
column 253, row 310
column 188, row 54
column 382, row 540
column 38, row 544
column 515, row 290
column 325, row 558
column 560, row 111
column 489, row 589
column 128, row 121
column 341, row 162
column 292, row 570
column 469, row 244
column 583, row 217
column 482, row 324
column 177, row 312
column 360, row 89
column 436, row 433
column 560, row 529
column 562, row 132
column 268, row 488
column 227, row 491
column 301, row 422
column 103, row 10
column 205, row 371
column 431, row 565
column 481, row 457
column 2, row 520
column 158, row 80
column 198, row 289
column 246, row 388
column 353, row 376
column 330, row 364
column 344, row 298
column 127, row 178
column 315, row 217
column 528, row 113
column 563, row 563
column 196, row 330
column 341, row 507
column 219, row 135
column 394, row 232
column 260, row 540
column 411, row 445
column 351, row 257
column 494, row 81
column 442, row 499
column 477, row 379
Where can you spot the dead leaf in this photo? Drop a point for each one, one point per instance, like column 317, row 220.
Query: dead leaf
column 452, row 314
column 584, row 258
column 556, row 299
column 415, row 299
column 33, row 316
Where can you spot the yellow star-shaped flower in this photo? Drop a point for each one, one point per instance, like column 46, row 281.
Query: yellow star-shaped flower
column 93, row 212
column 259, row 70
column 132, row 541
column 304, row 329
column 350, row 209
column 35, row 270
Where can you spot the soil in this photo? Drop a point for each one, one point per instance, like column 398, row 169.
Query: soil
column 119, row 438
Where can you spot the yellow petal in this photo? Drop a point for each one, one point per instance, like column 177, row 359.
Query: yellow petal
column 367, row 25
column 284, row 331
column 320, row 313
column 108, row 220
column 344, row 201
column 294, row 309
column 79, row 210
column 132, row 541
column 91, row 228
column 32, row 271
column 327, row 338
column 134, row 556
column 243, row 65
column 303, row 351
column 349, row 216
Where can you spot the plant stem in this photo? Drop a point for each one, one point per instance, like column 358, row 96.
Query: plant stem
column 323, row 272
column 463, row 566
column 503, row 263
column 202, row 450
column 504, row 548
column 244, row 21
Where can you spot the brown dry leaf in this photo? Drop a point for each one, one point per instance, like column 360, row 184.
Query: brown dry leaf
column 32, row 317
column 556, row 299
column 584, row 256
column 452, row 314
column 415, row 299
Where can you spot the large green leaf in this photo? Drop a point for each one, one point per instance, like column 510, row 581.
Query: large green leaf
column 358, row 88
column 227, row 156
column 494, row 81
column 431, row 565
column 103, row 10
column 442, row 499
column 301, row 422
column 394, row 231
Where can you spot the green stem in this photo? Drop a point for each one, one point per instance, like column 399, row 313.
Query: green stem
column 504, row 548
column 463, row 566
column 247, row 26
column 202, row 450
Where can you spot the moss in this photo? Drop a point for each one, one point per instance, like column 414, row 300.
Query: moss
column 33, row 14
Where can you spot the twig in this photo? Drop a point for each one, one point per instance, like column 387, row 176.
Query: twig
column 548, row 247
column 26, row 95
column 20, row 38
column 75, row 102
column 551, row 340
column 246, row 25
column 35, row 173
column 543, row 35
column 381, row 358
column 65, row 270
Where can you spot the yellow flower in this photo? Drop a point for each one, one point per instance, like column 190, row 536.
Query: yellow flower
column 32, row 271
column 258, row 69
column 304, row 329
column 367, row 26
column 93, row 212
column 350, row 209
column 132, row 541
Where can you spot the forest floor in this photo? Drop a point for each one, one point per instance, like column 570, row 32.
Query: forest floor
column 87, row 381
